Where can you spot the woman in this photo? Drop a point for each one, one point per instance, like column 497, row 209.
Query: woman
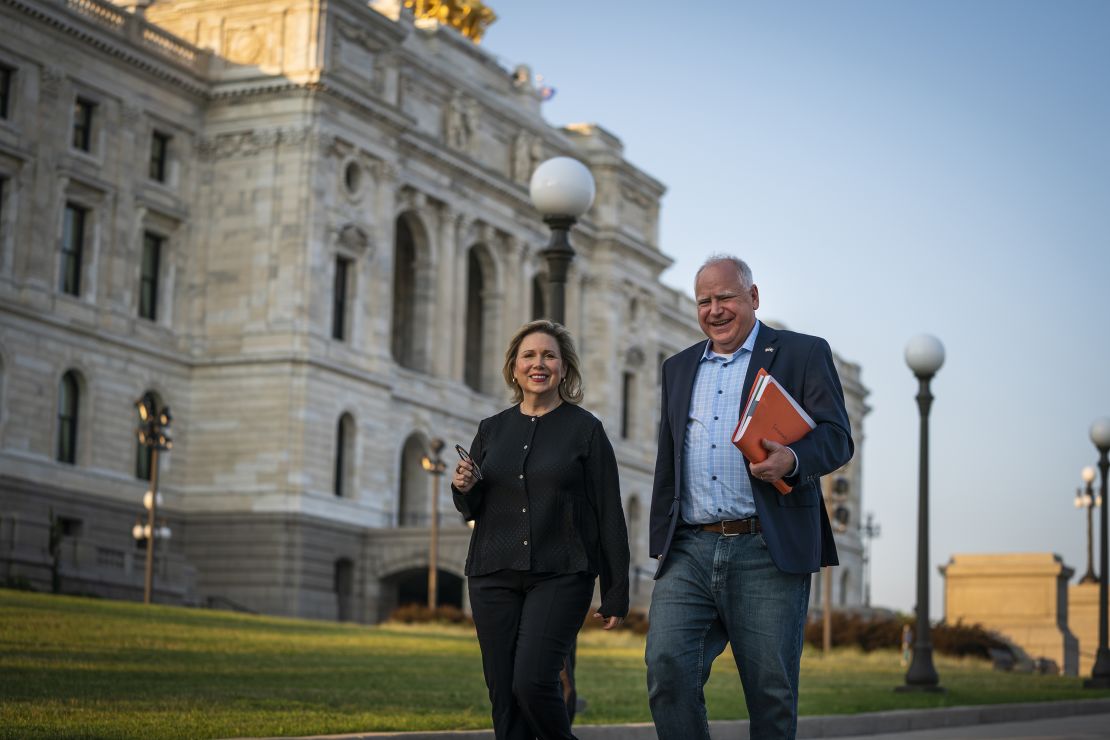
column 547, row 514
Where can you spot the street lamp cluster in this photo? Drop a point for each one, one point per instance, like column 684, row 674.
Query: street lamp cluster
column 153, row 432
column 1086, row 499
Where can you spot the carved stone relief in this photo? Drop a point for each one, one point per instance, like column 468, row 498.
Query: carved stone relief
column 245, row 45
column 461, row 123
column 249, row 143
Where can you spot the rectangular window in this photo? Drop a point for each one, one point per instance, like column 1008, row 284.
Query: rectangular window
column 70, row 527
column 148, row 277
column 626, row 405
column 339, row 299
column 7, row 77
column 82, row 124
column 159, row 155
column 73, row 247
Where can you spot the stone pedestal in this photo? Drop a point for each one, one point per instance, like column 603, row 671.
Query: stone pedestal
column 1083, row 622
column 1023, row 596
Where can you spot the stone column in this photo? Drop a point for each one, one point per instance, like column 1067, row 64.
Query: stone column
column 458, row 226
column 376, row 298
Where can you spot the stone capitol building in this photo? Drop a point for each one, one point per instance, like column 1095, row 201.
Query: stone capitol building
column 304, row 227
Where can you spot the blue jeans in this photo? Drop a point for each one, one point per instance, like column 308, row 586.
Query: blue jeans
column 716, row 590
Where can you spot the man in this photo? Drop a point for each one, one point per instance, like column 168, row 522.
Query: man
column 735, row 555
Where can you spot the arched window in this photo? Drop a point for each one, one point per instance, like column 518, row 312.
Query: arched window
column 628, row 399
column 404, row 295
column 539, row 297
column 475, row 284
column 69, row 397
column 344, row 456
column 143, row 453
column 482, row 304
column 413, row 499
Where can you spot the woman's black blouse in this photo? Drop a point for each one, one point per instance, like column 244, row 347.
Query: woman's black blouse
column 549, row 500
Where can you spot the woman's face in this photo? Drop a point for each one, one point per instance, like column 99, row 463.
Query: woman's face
column 538, row 368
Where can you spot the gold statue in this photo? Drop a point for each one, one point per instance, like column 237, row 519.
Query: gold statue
column 469, row 17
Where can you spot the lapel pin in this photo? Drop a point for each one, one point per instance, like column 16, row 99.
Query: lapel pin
column 768, row 349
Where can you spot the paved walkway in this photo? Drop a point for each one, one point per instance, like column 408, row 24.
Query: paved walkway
column 1061, row 720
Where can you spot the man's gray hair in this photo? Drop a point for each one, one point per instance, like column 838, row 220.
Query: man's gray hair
column 741, row 266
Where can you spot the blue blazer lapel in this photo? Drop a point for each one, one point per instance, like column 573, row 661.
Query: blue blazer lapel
column 683, row 390
column 763, row 356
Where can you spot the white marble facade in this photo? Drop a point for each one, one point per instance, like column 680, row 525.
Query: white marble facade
column 344, row 245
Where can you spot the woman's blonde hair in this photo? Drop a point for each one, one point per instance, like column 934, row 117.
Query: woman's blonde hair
column 570, row 388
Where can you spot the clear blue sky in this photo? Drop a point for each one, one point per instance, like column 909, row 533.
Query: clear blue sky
column 887, row 168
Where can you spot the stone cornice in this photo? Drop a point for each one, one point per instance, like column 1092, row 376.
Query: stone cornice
column 135, row 41
column 626, row 243
column 128, row 344
column 397, row 121
column 385, row 381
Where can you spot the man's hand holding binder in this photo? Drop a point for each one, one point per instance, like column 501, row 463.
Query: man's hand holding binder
column 771, row 420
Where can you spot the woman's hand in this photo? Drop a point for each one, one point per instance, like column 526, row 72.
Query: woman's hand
column 610, row 622
column 464, row 478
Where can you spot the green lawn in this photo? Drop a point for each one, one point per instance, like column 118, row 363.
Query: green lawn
column 77, row 667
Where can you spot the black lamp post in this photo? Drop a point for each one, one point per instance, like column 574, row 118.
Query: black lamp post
column 562, row 189
column 924, row 355
column 1100, row 674
column 870, row 530
column 153, row 432
column 1086, row 499
column 435, row 465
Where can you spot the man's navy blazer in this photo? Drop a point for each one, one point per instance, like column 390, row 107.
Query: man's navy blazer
column 795, row 525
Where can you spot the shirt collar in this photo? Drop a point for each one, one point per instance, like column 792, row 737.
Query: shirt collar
column 748, row 346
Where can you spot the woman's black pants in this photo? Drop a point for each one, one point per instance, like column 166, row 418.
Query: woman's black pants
column 527, row 624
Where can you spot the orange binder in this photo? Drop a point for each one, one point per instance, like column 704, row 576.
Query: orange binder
column 770, row 413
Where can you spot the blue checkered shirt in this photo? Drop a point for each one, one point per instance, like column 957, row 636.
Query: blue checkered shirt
column 715, row 483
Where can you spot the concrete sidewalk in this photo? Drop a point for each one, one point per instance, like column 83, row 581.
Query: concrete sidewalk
column 1061, row 720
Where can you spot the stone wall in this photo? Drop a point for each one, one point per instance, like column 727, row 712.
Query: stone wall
column 1023, row 596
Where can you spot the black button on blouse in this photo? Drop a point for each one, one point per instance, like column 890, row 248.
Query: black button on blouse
column 549, row 500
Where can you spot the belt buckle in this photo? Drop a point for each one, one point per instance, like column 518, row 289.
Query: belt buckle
column 724, row 527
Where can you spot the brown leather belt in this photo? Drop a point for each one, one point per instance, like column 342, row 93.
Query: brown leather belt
column 733, row 527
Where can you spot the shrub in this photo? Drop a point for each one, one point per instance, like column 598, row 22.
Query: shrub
column 420, row 614
column 18, row 583
column 960, row 639
column 886, row 632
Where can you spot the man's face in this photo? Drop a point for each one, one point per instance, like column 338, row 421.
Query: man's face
column 726, row 311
